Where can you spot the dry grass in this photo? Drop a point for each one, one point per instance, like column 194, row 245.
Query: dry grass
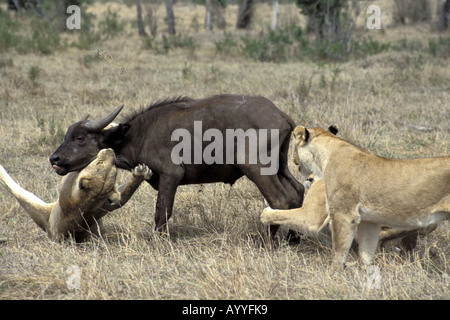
column 394, row 103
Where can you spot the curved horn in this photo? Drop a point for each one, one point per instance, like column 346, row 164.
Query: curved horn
column 84, row 118
column 100, row 124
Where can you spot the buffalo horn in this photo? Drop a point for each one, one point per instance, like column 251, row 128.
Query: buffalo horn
column 100, row 124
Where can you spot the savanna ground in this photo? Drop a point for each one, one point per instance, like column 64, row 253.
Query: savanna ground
column 395, row 103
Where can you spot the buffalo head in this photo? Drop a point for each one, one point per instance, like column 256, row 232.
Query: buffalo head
column 82, row 142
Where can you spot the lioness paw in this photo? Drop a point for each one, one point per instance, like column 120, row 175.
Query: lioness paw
column 142, row 170
column 266, row 217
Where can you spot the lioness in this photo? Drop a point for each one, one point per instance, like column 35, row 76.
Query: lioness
column 365, row 192
column 84, row 197
column 312, row 219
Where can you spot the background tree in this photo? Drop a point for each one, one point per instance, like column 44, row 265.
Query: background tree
column 151, row 8
column 444, row 12
column 140, row 23
column 275, row 15
column 170, row 17
column 209, row 15
column 411, row 11
column 214, row 14
column 332, row 21
column 323, row 17
column 245, row 14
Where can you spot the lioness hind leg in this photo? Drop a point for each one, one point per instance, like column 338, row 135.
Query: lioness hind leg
column 368, row 234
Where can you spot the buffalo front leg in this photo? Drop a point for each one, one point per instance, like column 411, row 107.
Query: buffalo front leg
column 164, row 204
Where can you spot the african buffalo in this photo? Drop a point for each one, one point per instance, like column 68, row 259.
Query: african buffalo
column 152, row 136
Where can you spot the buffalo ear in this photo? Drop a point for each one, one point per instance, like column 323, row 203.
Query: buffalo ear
column 333, row 129
column 301, row 133
column 114, row 135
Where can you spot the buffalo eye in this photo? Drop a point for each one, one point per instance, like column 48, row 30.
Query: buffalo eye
column 80, row 139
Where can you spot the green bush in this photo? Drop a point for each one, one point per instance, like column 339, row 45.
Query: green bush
column 8, row 27
column 439, row 48
column 277, row 46
column 32, row 34
column 45, row 37
column 228, row 45
column 111, row 26
column 87, row 35
column 368, row 46
column 168, row 43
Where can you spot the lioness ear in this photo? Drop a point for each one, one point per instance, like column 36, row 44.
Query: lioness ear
column 301, row 133
column 333, row 129
column 84, row 183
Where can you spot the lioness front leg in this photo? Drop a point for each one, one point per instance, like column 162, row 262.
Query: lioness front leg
column 273, row 216
column 343, row 226
column 140, row 173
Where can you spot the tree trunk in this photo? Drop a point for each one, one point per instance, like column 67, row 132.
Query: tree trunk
column 443, row 16
column 209, row 15
column 245, row 14
column 170, row 16
column 151, row 7
column 140, row 24
column 219, row 15
column 276, row 15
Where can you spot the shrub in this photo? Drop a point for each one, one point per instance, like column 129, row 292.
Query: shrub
column 87, row 36
column 228, row 45
column 111, row 26
column 168, row 43
column 45, row 37
column 41, row 35
column 277, row 46
column 8, row 38
column 411, row 11
column 439, row 48
column 368, row 46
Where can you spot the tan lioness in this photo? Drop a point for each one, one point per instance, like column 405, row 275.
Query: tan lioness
column 365, row 191
column 312, row 219
column 84, row 197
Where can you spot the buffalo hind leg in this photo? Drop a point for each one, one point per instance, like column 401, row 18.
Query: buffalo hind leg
column 272, row 189
column 168, row 184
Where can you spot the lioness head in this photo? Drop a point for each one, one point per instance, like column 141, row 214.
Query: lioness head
column 302, row 156
column 99, row 177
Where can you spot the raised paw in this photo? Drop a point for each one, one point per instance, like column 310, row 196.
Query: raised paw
column 142, row 170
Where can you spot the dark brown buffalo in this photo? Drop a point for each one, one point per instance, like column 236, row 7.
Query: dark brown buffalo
column 145, row 137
